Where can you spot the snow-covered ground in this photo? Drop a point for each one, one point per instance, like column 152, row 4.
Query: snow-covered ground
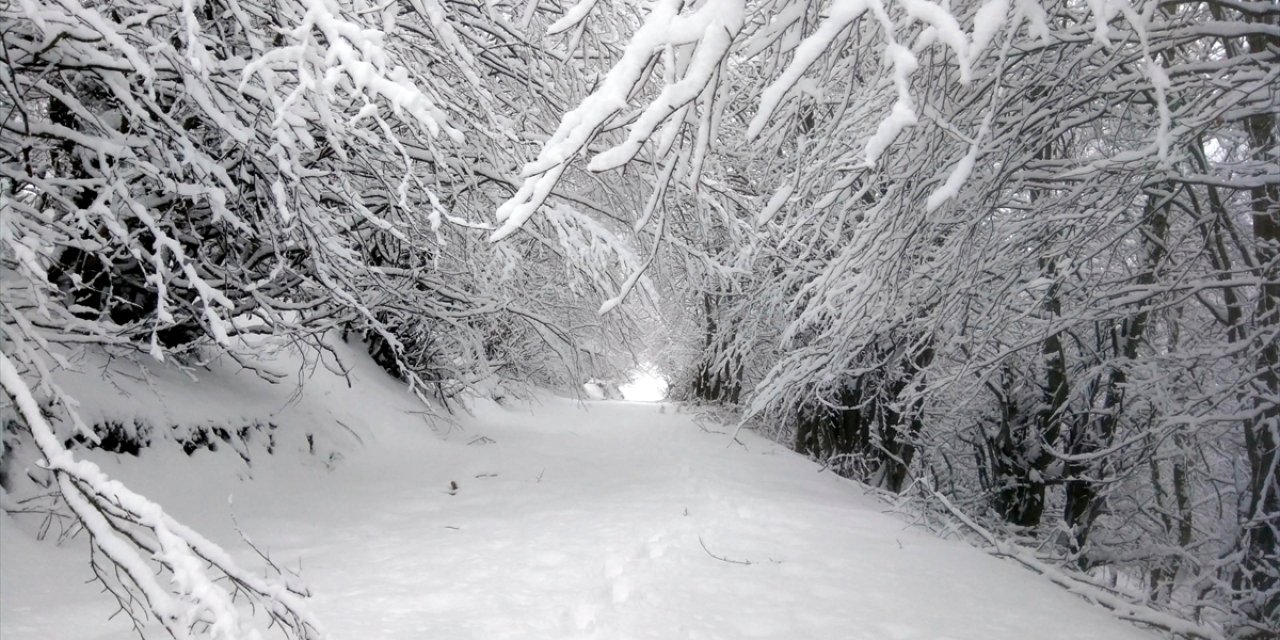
column 600, row 519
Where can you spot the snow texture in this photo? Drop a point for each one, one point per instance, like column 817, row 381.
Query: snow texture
column 550, row 519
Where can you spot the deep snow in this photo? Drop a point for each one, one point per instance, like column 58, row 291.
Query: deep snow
column 570, row 519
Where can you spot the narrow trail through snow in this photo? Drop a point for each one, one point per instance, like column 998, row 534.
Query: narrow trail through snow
column 596, row 520
column 590, row 521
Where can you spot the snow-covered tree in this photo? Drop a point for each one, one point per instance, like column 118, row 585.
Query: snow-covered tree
column 1023, row 250
column 178, row 174
column 1024, row 253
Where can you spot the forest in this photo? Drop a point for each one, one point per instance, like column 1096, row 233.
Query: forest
column 1015, row 262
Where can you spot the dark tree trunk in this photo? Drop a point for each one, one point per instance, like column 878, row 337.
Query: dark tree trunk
column 719, row 377
column 1084, row 477
column 1019, row 452
column 870, row 437
column 900, row 429
column 1016, row 485
column 1259, row 575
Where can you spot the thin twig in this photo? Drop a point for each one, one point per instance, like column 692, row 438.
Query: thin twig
column 721, row 558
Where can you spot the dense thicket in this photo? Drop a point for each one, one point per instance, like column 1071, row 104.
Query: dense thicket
column 1053, row 297
column 176, row 175
column 1021, row 258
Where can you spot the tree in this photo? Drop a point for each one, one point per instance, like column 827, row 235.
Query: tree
column 176, row 175
column 1021, row 202
column 1023, row 252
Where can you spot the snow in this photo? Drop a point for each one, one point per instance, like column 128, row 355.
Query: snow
column 986, row 22
column 776, row 201
column 717, row 24
column 1036, row 17
column 840, row 15
column 1160, row 82
column 569, row 520
column 960, row 172
column 955, row 180
column 1102, row 12
column 713, row 26
column 572, row 17
column 902, row 115
column 947, row 28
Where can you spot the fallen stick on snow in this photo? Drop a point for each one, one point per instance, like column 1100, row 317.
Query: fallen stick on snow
column 721, row 558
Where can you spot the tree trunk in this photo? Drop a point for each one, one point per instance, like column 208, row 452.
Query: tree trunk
column 719, row 377
column 1084, row 478
column 1259, row 575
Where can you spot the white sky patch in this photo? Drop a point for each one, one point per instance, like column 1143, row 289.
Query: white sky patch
column 647, row 385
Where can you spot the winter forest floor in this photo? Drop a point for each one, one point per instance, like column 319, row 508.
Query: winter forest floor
column 570, row 520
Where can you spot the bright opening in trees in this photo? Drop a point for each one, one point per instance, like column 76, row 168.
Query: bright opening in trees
column 646, row 385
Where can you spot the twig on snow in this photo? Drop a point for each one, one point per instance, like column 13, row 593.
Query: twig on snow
column 722, row 558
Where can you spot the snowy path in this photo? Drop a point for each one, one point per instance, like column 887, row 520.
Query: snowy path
column 588, row 522
column 606, row 545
